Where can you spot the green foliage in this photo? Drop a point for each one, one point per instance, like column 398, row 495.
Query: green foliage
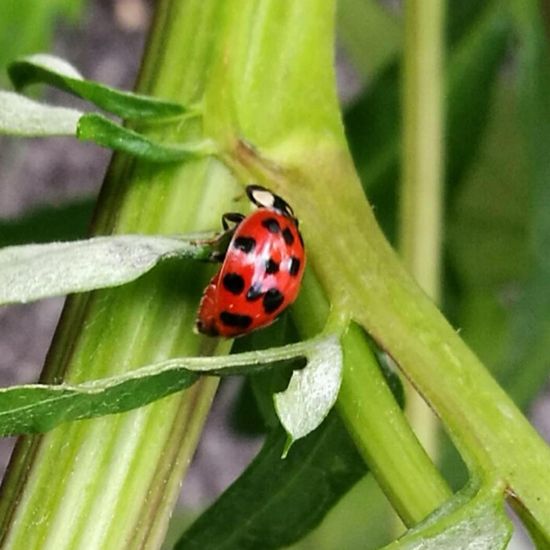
column 281, row 127
column 47, row 69
column 103, row 131
column 24, row 117
column 33, row 272
column 466, row 521
column 276, row 502
column 39, row 408
column 311, row 392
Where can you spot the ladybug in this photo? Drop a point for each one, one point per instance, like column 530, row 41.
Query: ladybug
column 261, row 271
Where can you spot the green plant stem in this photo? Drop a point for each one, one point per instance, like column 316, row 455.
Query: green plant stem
column 422, row 174
column 266, row 69
column 401, row 466
column 421, row 188
column 363, row 276
column 112, row 482
column 376, row 423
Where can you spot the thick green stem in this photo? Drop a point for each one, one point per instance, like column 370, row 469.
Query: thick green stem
column 494, row 438
column 361, row 274
column 112, row 482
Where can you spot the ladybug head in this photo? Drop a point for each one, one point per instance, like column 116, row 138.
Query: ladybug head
column 264, row 198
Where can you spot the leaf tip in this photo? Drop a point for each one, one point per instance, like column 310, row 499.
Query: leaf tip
column 288, row 443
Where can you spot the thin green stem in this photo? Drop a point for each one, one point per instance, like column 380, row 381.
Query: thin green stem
column 422, row 173
column 384, row 437
column 422, row 170
column 375, row 421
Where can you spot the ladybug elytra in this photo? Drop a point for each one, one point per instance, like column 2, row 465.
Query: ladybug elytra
column 262, row 270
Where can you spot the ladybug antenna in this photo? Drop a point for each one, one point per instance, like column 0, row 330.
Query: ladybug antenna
column 264, row 198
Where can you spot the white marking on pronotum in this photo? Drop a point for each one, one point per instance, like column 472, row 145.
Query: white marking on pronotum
column 264, row 197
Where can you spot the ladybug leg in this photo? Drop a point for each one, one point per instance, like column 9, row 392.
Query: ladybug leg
column 217, row 257
column 231, row 218
column 230, row 221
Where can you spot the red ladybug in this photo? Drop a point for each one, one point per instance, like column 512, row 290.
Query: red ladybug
column 261, row 272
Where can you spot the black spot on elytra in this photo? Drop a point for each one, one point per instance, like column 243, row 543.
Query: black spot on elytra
column 272, row 225
column 294, row 266
column 288, row 236
column 246, row 244
column 254, row 292
column 273, row 300
column 233, row 282
column 235, row 320
column 271, row 267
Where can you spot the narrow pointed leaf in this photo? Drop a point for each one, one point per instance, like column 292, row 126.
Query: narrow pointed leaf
column 103, row 131
column 48, row 69
column 21, row 116
column 479, row 523
column 526, row 363
column 37, row 408
column 33, row 272
column 276, row 502
column 312, row 391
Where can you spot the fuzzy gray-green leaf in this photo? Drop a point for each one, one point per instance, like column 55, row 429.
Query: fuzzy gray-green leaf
column 38, row 408
column 461, row 524
column 33, row 272
column 21, row 116
column 312, row 391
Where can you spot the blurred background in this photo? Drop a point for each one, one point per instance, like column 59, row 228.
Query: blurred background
column 496, row 214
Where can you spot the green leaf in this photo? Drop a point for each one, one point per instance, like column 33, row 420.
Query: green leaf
column 48, row 69
column 37, row 408
column 471, row 83
column 24, row 117
column 21, row 116
column 255, row 409
column 312, row 391
column 36, row 271
column 526, row 364
column 103, row 131
column 479, row 522
column 276, row 502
